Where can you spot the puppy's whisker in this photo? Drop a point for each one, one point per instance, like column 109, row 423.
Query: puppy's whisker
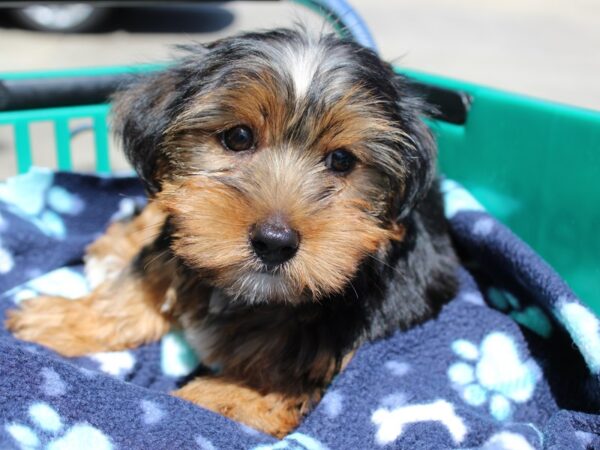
column 385, row 264
column 354, row 289
column 148, row 263
column 153, row 226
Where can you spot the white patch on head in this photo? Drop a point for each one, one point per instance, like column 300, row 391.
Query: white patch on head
column 303, row 66
column 391, row 423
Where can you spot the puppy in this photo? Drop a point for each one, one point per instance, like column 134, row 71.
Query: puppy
column 294, row 215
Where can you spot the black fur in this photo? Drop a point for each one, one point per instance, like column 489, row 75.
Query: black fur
column 287, row 341
column 415, row 276
column 150, row 104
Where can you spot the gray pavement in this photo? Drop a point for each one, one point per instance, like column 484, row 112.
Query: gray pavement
column 543, row 48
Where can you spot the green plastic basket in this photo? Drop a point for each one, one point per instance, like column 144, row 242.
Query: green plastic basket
column 20, row 121
column 532, row 164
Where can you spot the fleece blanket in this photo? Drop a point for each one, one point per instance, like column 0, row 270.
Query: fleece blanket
column 512, row 362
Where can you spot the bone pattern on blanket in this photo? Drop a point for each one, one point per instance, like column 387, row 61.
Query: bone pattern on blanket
column 475, row 376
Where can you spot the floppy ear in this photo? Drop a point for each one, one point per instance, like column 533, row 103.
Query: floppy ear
column 420, row 153
column 140, row 114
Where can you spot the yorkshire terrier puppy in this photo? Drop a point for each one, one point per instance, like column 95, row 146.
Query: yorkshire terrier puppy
column 294, row 214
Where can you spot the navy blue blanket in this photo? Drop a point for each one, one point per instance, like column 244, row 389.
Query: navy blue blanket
column 512, row 362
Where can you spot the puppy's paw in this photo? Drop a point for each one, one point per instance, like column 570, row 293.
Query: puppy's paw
column 271, row 413
column 54, row 322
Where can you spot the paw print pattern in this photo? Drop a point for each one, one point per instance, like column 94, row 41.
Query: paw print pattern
column 507, row 440
column 32, row 197
column 49, row 432
column 584, row 327
column 457, row 198
column 294, row 441
column 118, row 364
column 177, row 358
column 528, row 315
column 52, row 384
column 333, row 403
column 7, row 261
column 128, row 207
column 64, row 282
column 493, row 374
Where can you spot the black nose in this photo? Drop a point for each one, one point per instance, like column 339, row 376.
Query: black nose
column 274, row 242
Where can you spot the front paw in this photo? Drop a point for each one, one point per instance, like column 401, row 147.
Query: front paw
column 54, row 322
column 271, row 413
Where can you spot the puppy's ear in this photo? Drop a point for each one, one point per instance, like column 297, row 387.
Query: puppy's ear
column 419, row 153
column 140, row 114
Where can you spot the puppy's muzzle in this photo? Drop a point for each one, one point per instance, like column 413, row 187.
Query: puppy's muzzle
column 274, row 241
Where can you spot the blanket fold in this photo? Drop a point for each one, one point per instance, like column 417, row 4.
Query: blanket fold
column 513, row 362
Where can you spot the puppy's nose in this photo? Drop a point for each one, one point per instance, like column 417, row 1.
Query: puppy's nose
column 274, row 241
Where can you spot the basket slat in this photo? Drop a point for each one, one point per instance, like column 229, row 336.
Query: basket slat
column 63, row 146
column 101, row 141
column 23, row 145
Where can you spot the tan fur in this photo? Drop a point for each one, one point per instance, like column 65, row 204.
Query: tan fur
column 262, row 104
column 123, row 312
column 114, row 317
column 272, row 412
column 110, row 254
column 271, row 409
column 213, row 214
column 213, row 197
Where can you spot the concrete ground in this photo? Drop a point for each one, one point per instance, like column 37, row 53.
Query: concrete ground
column 543, row 48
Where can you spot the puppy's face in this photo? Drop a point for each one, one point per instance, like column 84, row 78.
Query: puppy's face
column 284, row 161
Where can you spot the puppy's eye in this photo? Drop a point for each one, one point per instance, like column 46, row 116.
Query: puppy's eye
column 340, row 160
column 238, row 138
